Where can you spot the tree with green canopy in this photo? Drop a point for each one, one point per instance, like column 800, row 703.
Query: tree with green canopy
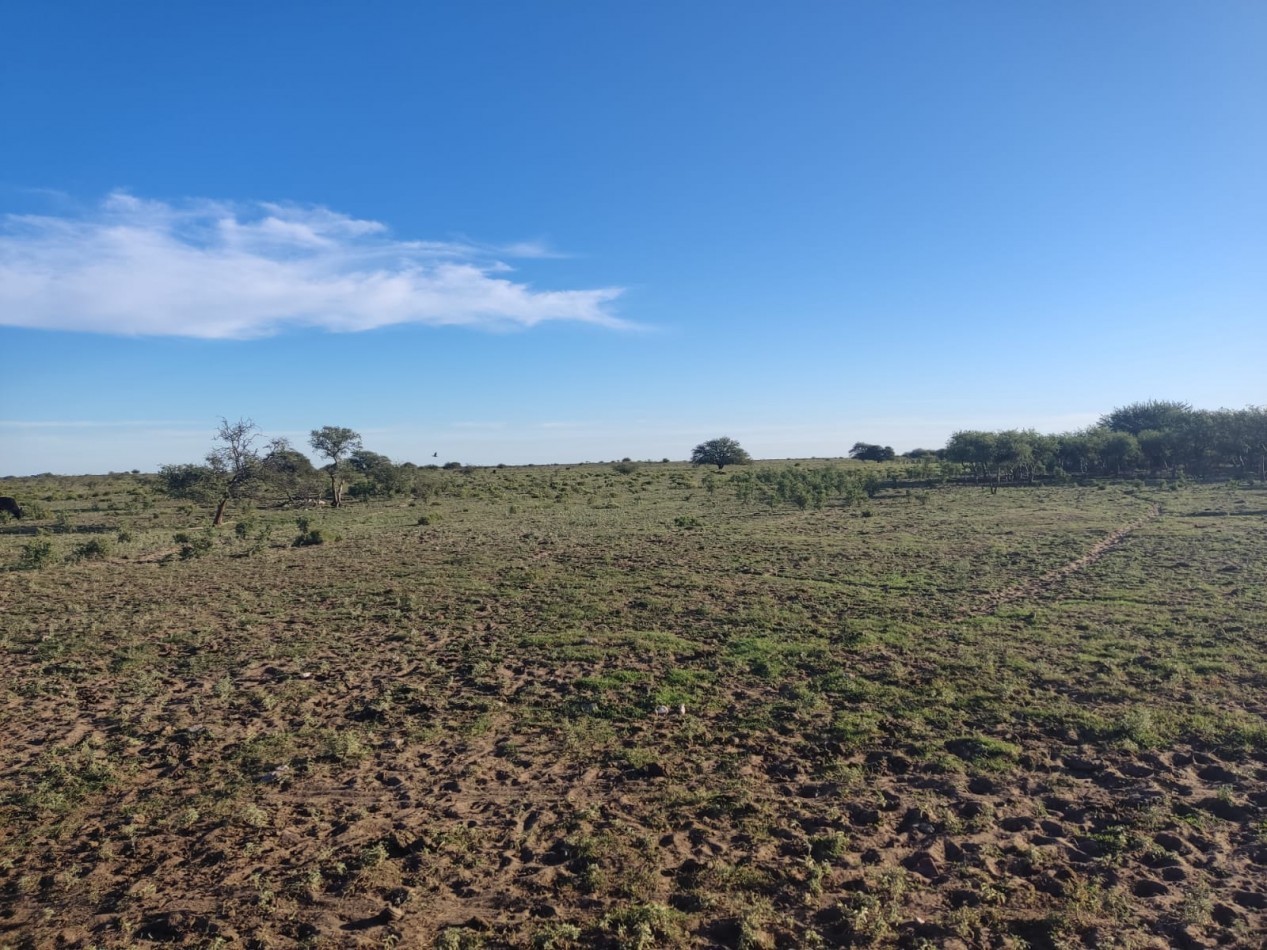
column 720, row 452
column 335, row 443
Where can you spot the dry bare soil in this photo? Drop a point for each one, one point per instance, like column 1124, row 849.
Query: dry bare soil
column 569, row 707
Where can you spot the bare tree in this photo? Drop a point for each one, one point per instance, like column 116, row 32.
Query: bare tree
column 236, row 468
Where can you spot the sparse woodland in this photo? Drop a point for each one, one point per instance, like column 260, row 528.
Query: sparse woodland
column 1157, row 439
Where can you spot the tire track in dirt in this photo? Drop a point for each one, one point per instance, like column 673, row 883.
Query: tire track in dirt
column 1044, row 583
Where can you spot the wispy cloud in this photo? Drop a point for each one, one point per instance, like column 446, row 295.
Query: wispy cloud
column 215, row 269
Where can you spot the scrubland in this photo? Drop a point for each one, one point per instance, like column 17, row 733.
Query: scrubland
column 571, row 706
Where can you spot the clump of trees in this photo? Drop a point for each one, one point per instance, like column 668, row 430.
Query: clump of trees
column 378, row 476
column 243, row 469
column 236, row 469
column 720, row 452
column 1157, row 436
column 293, row 476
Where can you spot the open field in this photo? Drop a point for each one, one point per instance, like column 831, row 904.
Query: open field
column 569, row 707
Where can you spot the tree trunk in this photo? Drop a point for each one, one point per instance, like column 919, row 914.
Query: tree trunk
column 334, row 488
column 219, row 518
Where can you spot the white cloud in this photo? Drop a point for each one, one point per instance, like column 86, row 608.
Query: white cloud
column 216, row 269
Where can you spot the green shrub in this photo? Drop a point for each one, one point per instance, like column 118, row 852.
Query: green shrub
column 36, row 554
column 557, row 937
column 829, row 846
column 646, row 925
column 192, row 546
column 90, row 550
column 308, row 538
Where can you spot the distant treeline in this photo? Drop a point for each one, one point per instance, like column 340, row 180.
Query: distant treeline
column 1167, row 439
column 1158, row 437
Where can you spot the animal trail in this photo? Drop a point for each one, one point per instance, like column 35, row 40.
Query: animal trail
column 1047, row 581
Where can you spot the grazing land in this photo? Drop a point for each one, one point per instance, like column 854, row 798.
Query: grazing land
column 575, row 706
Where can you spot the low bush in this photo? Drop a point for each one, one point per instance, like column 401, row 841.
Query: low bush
column 308, row 538
column 36, row 554
column 192, row 546
column 90, row 550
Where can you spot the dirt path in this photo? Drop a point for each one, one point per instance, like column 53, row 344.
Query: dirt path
column 1045, row 582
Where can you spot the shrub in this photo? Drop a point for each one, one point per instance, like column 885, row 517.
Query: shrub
column 90, row 550
column 192, row 546
column 315, row 536
column 829, row 846
column 36, row 554
column 557, row 937
column 646, row 925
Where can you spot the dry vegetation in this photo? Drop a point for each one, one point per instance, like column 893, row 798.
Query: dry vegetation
column 578, row 707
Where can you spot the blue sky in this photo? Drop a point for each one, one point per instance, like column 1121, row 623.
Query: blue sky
column 549, row 232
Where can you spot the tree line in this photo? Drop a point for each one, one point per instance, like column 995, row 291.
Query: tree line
column 1159, row 437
